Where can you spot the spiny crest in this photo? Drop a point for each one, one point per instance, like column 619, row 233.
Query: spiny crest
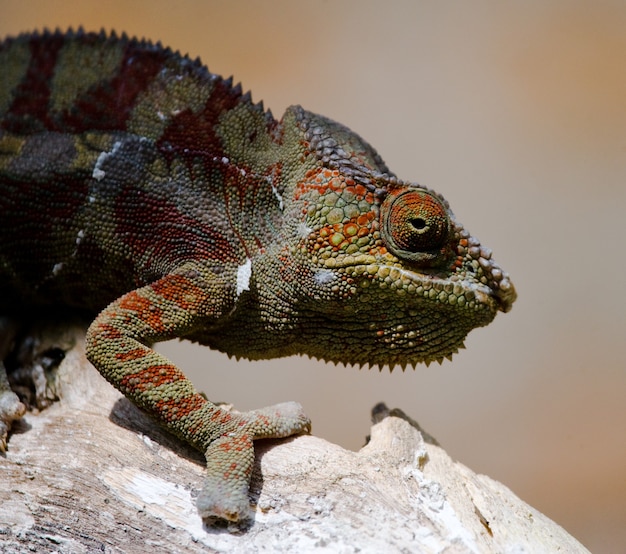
column 111, row 38
column 402, row 363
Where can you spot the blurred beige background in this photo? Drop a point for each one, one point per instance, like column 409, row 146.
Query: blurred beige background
column 516, row 112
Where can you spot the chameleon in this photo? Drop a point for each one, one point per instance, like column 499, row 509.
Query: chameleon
column 158, row 198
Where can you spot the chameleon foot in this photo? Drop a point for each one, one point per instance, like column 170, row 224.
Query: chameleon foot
column 230, row 460
column 224, row 496
column 278, row 421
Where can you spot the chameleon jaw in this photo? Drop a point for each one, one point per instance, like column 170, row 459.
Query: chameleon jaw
column 462, row 293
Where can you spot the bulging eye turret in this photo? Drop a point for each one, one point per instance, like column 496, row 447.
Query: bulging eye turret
column 415, row 225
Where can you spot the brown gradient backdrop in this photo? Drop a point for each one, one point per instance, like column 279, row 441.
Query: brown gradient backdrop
column 516, row 112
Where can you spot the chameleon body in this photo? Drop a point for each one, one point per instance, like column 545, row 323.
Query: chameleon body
column 140, row 188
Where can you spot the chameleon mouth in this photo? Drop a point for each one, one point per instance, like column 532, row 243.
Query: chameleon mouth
column 498, row 294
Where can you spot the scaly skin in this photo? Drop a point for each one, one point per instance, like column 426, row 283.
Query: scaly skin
column 137, row 185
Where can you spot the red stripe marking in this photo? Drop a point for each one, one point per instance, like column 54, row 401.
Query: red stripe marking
column 154, row 225
column 145, row 309
column 151, row 377
column 29, row 111
column 132, row 354
column 108, row 105
column 181, row 291
column 177, row 408
column 195, row 132
column 109, row 332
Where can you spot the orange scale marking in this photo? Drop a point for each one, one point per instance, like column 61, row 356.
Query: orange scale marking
column 351, row 229
column 179, row 290
column 109, row 332
column 177, row 408
column 152, row 376
column 146, row 310
column 132, row 354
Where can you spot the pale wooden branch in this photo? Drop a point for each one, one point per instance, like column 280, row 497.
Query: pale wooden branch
column 92, row 473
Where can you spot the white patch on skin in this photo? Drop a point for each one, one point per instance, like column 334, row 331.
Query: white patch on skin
column 279, row 197
column 79, row 238
column 244, row 272
column 323, row 276
column 57, row 268
column 303, row 231
column 98, row 174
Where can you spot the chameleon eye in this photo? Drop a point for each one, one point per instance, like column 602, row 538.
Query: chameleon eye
column 415, row 224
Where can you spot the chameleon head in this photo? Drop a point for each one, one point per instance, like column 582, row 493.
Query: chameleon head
column 379, row 271
column 388, row 273
column 367, row 269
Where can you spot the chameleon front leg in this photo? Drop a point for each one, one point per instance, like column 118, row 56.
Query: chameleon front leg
column 118, row 346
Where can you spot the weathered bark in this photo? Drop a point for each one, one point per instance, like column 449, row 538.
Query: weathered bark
column 92, row 473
